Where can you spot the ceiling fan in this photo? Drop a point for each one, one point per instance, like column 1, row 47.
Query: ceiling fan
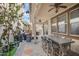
column 56, row 6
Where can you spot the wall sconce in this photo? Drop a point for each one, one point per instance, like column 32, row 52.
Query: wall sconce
column 40, row 20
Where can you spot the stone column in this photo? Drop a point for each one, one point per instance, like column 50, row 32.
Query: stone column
column 42, row 29
column 34, row 29
column 49, row 27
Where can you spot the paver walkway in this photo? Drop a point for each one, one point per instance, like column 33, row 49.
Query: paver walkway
column 30, row 49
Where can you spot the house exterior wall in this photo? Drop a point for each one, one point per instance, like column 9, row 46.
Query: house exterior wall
column 44, row 15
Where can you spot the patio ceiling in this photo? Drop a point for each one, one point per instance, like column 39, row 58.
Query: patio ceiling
column 41, row 13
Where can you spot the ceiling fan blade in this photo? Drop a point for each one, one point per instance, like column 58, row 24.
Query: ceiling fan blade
column 56, row 10
column 50, row 9
column 63, row 6
column 57, row 4
column 51, row 5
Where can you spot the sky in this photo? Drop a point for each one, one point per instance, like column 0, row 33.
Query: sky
column 26, row 17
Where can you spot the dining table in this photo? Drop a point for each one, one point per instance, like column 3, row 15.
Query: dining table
column 63, row 43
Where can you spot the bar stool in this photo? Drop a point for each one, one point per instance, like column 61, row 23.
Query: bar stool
column 49, row 47
column 44, row 43
column 66, row 48
column 55, row 47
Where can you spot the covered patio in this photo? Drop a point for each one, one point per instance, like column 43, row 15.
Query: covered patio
column 59, row 27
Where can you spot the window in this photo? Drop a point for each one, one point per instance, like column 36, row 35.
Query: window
column 74, row 22
column 53, row 25
column 62, row 23
column 45, row 28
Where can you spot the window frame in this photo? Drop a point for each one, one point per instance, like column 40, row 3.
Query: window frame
column 66, row 23
column 56, row 25
column 74, row 9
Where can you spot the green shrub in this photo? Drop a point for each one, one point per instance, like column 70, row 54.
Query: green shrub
column 0, row 44
column 11, row 46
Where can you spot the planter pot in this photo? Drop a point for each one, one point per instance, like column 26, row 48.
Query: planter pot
column 1, row 51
